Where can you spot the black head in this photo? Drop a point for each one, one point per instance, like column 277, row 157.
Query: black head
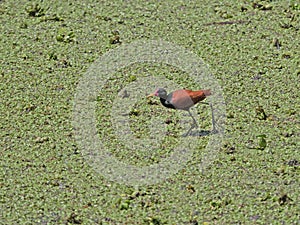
column 161, row 92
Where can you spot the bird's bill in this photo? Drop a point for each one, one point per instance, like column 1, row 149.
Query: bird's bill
column 151, row 95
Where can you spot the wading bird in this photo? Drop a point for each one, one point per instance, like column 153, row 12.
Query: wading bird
column 183, row 100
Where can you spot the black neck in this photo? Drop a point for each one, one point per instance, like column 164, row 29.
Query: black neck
column 166, row 103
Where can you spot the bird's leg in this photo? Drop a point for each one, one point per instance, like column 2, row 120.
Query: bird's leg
column 193, row 125
column 194, row 121
column 188, row 132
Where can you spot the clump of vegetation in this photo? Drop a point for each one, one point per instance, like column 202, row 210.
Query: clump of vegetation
column 65, row 36
column 262, row 141
column 115, row 38
column 35, row 10
column 262, row 5
column 260, row 113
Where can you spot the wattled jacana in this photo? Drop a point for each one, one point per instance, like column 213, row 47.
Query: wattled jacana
column 183, row 100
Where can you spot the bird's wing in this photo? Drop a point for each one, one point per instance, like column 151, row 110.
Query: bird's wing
column 184, row 99
column 181, row 99
column 198, row 96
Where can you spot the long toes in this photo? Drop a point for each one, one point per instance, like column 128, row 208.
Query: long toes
column 185, row 135
column 214, row 131
column 195, row 125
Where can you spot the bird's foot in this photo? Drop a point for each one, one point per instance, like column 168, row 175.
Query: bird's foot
column 197, row 133
column 194, row 125
column 214, row 131
column 186, row 134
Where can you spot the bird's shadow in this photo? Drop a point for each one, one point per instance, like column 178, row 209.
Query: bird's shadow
column 200, row 133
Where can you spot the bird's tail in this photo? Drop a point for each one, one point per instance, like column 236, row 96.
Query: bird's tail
column 207, row 92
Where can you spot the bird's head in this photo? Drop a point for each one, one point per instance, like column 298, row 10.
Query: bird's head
column 160, row 92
